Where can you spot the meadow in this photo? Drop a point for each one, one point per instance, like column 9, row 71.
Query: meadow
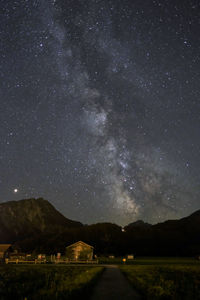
column 150, row 261
column 165, row 278
column 46, row 281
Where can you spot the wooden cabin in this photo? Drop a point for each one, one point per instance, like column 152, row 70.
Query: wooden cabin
column 79, row 251
column 5, row 250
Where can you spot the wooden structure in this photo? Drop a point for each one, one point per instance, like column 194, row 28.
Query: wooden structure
column 79, row 251
column 5, row 250
column 130, row 256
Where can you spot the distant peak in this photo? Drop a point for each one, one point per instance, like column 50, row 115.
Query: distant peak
column 138, row 223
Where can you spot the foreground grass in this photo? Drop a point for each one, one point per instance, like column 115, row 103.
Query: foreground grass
column 46, row 281
column 165, row 281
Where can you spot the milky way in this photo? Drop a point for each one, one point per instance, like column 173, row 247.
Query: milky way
column 100, row 110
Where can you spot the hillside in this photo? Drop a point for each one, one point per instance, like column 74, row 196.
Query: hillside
column 172, row 237
column 20, row 219
column 35, row 225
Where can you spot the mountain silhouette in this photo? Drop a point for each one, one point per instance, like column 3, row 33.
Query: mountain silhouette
column 35, row 225
column 19, row 219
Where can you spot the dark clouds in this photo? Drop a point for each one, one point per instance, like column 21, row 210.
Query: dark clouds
column 100, row 107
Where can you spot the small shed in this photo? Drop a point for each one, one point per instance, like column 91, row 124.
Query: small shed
column 79, row 251
column 130, row 256
column 5, row 250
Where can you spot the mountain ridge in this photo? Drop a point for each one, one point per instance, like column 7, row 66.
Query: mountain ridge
column 35, row 225
column 30, row 216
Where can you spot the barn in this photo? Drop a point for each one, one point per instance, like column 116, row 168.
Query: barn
column 79, row 251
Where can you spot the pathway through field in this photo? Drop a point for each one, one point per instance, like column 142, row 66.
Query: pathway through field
column 113, row 285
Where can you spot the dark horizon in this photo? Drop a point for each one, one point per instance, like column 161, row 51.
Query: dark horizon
column 35, row 226
column 108, row 222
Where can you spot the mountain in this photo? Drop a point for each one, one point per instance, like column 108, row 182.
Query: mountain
column 20, row 219
column 172, row 237
column 137, row 224
column 35, row 225
column 188, row 224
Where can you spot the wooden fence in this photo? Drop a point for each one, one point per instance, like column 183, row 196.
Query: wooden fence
column 56, row 261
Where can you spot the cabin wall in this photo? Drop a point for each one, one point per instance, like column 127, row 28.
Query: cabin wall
column 79, row 252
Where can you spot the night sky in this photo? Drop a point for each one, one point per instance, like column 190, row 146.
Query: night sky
column 100, row 107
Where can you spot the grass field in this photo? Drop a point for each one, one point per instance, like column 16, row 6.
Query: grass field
column 151, row 261
column 155, row 278
column 46, row 281
column 177, row 279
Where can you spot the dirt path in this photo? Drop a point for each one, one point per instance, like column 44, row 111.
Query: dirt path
column 112, row 285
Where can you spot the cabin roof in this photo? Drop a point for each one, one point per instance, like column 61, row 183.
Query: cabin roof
column 4, row 247
column 79, row 242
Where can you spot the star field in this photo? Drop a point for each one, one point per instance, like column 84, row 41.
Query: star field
column 99, row 107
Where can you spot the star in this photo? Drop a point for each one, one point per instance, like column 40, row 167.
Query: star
column 99, row 106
